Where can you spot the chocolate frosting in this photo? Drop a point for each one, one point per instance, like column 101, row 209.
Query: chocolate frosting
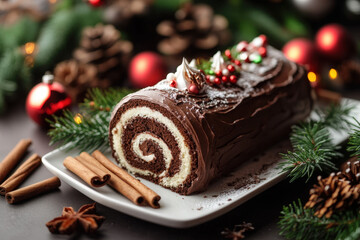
column 230, row 124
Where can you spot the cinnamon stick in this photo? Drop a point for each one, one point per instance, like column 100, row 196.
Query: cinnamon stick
column 20, row 174
column 32, row 190
column 85, row 173
column 150, row 196
column 13, row 157
column 115, row 182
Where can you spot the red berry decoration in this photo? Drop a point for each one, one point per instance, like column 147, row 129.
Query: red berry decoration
column 217, row 81
column 302, row 51
column 237, row 62
column 262, row 51
column 264, row 39
column 224, row 79
column 233, row 79
column 207, row 78
column 96, row 3
column 173, row 83
column 147, row 69
column 242, row 46
column 228, row 54
column 231, row 68
column 218, row 73
column 193, row 89
column 334, row 42
column 46, row 99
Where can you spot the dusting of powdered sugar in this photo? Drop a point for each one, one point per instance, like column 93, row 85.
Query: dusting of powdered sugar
column 247, row 177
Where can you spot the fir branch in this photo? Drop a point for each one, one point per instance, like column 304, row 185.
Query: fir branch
column 299, row 223
column 87, row 130
column 312, row 143
column 84, row 133
column 336, row 117
column 313, row 150
column 354, row 139
column 96, row 100
column 14, row 77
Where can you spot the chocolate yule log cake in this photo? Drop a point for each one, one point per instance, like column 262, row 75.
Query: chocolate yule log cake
column 209, row 116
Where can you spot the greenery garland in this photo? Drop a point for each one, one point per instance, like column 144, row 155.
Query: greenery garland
column 55, row 40
column 299, row 223
column 312, row 144
column 88, row 129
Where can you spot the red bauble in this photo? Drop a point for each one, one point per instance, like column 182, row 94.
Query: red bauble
column 45, row 99
column 334, row 42
column 96, row 3
column 147, row 69
column 302, row 51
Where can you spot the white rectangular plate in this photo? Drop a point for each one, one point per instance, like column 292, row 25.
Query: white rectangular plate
column 177, row 211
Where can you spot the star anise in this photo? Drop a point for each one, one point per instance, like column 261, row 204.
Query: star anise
column 238, row 231
column 71, row 221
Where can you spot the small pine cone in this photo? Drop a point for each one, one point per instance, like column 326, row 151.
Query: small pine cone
column 102, row 47
column 351, row 171
column 194, row 32
column 120, row 12
column 332, row 193
column 12, row 11
column 77, row 78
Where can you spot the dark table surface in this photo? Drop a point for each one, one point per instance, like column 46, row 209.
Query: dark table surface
column 27, row 220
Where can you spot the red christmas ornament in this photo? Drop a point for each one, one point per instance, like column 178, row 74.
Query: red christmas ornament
column 302, row 51
column 147, row 69
column 96, row 3
column 46, row 99
column 334, row 42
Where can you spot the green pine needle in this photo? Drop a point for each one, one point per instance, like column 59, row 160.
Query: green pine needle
column 96, row 100
column 313, row 149
column 88, row 135
column 336, row 117
column 299, row 223
column 354, row 140
column 87, row 130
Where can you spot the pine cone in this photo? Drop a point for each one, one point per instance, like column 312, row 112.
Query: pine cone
column 12, row 11
column 337, row 191
column 194, row 32
column 102, row 47
column 120, row 12
column 351, row 171
column 77, row 78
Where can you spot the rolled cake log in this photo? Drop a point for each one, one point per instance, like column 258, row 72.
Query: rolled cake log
column 182, row 140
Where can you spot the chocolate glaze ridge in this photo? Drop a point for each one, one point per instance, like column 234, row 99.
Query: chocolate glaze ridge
column 230, row 124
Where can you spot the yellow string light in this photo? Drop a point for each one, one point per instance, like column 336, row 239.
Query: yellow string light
column 78, row 118
column 333, row 74
column 312, row 77
column 29, row 48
